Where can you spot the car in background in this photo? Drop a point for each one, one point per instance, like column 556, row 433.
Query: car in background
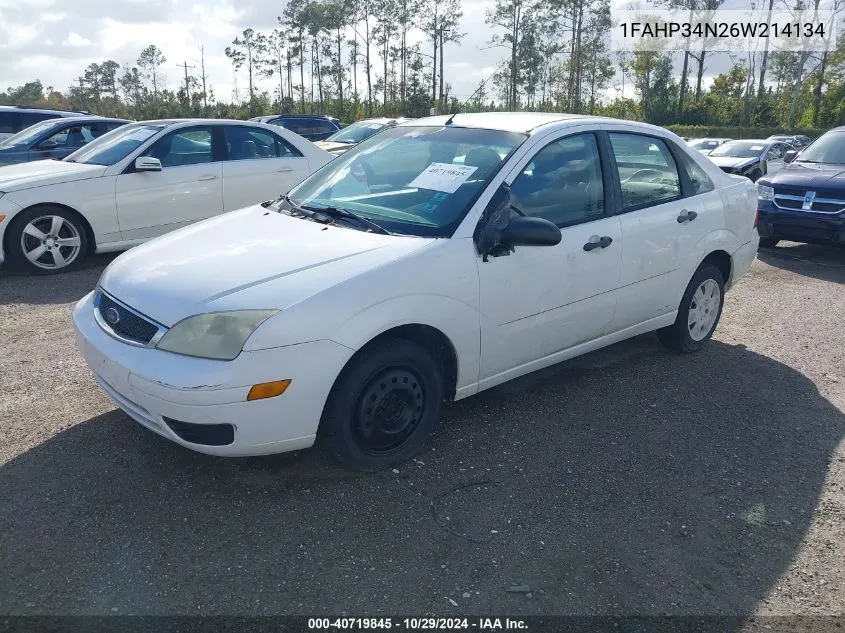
column 140, row 181
column 442, row 257
column 706, row 145
column 805, row 201
column 55, row 138
column 355, row 133
column 751, row 158
column 797, row 141
column 13, row 119
column 314, row 127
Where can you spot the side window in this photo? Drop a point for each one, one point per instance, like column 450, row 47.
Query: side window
column 291, row 124
column 775, row 152
column 72, row 137
column 247, row 143
column 647, row 172
column 324, row 127
column 563, row 182
column 9, row 122
column 191, row 146
column 698, row 178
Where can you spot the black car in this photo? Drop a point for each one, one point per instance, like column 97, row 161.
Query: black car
column 805, row 201
column 314, row 127
column 54, row 138
column 13, row 119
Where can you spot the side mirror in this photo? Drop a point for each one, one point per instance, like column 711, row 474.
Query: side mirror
column 497, row 233
column 790, row 155
column 47, row 145
column 525, row 231
column 147, row 163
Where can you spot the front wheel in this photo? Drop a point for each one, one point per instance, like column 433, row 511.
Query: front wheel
column 383, row 406
column 47, row 240
column 698, row 313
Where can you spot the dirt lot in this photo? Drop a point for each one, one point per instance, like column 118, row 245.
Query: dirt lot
column 630, row 481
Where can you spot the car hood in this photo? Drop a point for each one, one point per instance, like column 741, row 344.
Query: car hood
column 247, row 259
column 730, row 161
column 333, row 146
column 809, row 175
column 45, row 172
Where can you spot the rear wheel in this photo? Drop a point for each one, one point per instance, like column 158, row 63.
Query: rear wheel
column 769, row 242
column 383, row 406
column 47, row 240
column 698, row 313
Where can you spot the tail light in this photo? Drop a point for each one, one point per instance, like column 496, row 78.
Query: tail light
column 756, row 217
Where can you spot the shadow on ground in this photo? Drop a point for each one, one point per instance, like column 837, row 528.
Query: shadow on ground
column 630, row 481
column 17, row 287
column 820, row 262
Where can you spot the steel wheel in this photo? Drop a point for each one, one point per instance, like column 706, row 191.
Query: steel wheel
column 704, row 309
column 50, row 242
column 389, row 410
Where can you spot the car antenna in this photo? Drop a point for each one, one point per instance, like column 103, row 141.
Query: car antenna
column 449, row 120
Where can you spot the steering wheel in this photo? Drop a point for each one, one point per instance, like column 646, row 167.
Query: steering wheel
column 646, row 175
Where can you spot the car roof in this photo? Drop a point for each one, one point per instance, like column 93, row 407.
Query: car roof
column 505, row 121
column 84, row 118
column 58, row 113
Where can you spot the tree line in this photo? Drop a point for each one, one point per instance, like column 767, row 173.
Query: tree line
column 355, row 58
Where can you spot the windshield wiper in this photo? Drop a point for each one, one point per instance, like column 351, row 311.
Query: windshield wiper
column 336, row 213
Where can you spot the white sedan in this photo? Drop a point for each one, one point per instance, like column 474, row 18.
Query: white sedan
column 140, row 181
column 439, row 258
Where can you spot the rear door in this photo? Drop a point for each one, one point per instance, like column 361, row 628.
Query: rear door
column 188, row 188
column 663, row 220
column 259, row 166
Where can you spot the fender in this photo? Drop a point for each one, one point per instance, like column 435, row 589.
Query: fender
column 459, row 322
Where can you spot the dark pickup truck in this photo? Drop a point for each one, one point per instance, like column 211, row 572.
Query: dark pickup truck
column 805, row 201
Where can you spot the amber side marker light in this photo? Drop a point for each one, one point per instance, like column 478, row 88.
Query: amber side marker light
column 2, row 217
column 268, row 389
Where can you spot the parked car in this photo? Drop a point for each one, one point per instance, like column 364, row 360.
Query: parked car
column 437, row 259
column 750, row 158
column 140, row 181
column 797, row 141
column 707, row 145
column 314, row 127
column 351, row 135
column 54, row 138
column 805, row 201
column 13, row 119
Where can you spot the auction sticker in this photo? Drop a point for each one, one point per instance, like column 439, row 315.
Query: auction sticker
column 443, row 177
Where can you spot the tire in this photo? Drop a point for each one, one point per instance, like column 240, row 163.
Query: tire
column 768, row 242
column 689, row 333
column 366, row 424
column 37, row 231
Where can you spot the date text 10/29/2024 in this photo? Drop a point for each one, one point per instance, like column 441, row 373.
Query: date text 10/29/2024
column 417, row 624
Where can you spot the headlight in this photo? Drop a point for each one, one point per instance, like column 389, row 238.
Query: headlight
column 217, row 335
column 765, row 192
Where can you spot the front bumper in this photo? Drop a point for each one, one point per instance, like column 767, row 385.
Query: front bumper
column 808, row 227
column 151, row 385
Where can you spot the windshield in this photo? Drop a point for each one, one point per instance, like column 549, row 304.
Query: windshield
column 828, row 148
column 356, row 132
column 411, row 180
column 26, row 136
column 705, row 144
column 113, row 147
column 740, row 149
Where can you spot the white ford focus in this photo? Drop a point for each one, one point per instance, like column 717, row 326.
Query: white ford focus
column 140, row 181
column 436, row 259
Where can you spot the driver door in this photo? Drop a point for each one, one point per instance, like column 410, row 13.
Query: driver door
column 541, row 300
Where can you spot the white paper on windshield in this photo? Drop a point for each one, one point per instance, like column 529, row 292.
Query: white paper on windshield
column 756, row 148
column 443, row 177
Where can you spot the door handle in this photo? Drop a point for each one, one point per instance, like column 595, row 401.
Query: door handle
column 598, row 242
column 687, row 216
column 284, row 169
column 208, row 177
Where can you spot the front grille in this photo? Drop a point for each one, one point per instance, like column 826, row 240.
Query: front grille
column 205, row 434
column 825, row 201
column 124, row 322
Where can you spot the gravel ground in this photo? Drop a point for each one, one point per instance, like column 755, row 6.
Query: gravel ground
column 629, row 481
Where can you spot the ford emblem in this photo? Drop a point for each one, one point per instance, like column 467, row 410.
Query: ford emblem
column 112, row 316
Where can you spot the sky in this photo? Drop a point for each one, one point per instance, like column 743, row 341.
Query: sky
column 54, row 40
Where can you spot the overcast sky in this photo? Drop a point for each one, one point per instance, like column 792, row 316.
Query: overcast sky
column 53, row 40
